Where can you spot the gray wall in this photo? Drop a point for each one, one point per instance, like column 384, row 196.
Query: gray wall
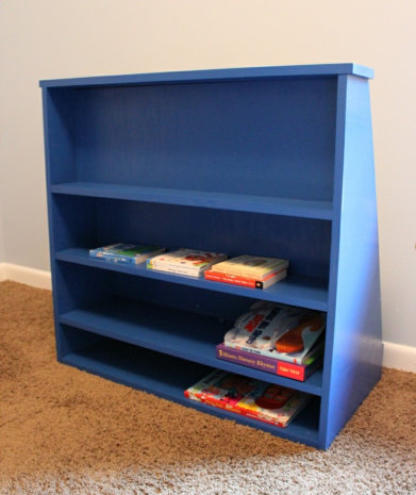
column 49, row 39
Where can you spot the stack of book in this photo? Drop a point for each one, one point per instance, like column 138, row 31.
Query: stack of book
column 256, row 272
column 126, row 253
column 265, row 402
column 278, row 339
column 190, row 262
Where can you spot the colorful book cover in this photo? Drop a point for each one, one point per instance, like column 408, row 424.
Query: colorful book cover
column 126, row 253
column 185, row 261
column 259, row 329
column 221, row 389
column 283, row 333
column 272, row 365
column 176, row 270
column 295, row 344
column 273, row 404
column 257, row 267
column 249, row 282
column 265, row 402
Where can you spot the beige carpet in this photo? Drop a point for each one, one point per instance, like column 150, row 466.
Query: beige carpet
column 63, row 431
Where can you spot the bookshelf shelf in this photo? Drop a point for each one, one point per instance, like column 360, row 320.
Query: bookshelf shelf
column 269, row 161
column 298, row 291
column 201, row 199
column 133, row 366
column 186, row 335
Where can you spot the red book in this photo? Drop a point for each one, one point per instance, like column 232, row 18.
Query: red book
column 272, row 365
column 252, row 283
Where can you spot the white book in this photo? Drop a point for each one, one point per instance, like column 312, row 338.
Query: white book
column 191, row 260
column 256, row 267
column 177, row 271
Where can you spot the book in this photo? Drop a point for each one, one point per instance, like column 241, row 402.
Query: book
column 272, row 365
column 256, row 267
column 259, row 328
column 183, row 261
column 252, row 283
column 265, row 402
column 221, row 389
column 126, row 253
column 280, row 332
column 301, row 336
column 273, row 404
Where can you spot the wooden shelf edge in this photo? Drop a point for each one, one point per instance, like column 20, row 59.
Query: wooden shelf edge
column 317, row 210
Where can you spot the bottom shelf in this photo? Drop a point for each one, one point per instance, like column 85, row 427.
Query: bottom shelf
column 168, row 377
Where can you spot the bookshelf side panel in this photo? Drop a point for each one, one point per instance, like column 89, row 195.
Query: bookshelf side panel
column 59, row 116
column 49, row 131
column 356, row 346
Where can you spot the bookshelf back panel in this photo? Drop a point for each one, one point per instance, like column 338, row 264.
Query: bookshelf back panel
column 264, row 137
column 86, row 287
column 305, row 242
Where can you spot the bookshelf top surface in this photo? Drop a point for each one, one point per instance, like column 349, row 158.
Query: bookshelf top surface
column 244, row 73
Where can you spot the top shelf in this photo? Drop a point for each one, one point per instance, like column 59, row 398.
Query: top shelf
column 222, row 201
column 245, row 73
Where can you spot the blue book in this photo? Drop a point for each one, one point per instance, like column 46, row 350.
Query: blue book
column 126, row 253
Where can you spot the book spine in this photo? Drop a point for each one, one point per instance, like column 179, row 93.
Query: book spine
column 268, row 281
column 233, row 279
column 250, row 282
column 254, row 415
column 174, row 270
column 297, row 372
column 235, row 409
column 213, row 401
column 114, row 258
column 290, row 370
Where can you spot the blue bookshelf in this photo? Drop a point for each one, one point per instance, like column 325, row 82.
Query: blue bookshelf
column 273, row 161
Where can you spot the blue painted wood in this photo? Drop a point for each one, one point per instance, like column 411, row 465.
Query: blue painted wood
column 157, row 136
column 353, row 349
column 329, row 337
column 298, row 291
column 59, row 157
column 214, row 200
column 133, row 366
column 306, row 242
column 217, row 75
column 49, row 124
column 269, row 161
column 178, row 333
column 59, row 124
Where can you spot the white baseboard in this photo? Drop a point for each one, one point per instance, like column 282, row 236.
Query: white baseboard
column 25, row 275
column 2, row 272
column 402, row 357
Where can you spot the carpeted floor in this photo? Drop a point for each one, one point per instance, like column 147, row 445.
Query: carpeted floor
column 63, row 431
